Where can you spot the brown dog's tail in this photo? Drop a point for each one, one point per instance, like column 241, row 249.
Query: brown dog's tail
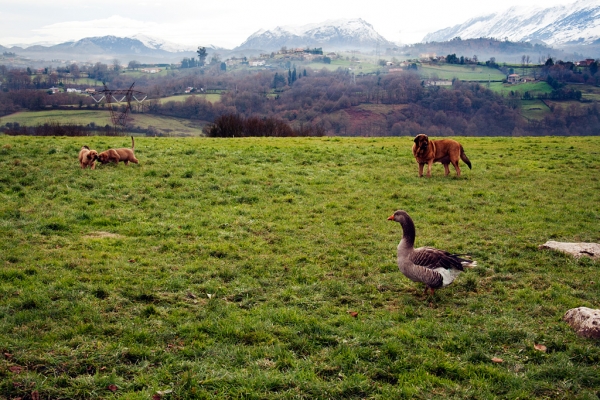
column 133, row 145
column 464, row 157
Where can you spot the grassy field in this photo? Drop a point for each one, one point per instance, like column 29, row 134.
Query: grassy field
column 212, row 97
column 265, row 268
column 534, row 88
column 166, row 125
column 534, row 109
column 462, row 72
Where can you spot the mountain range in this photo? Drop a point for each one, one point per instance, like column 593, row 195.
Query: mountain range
column 572, row 29
column 575, row 24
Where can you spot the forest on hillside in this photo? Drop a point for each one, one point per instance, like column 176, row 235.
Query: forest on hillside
column 338, row 102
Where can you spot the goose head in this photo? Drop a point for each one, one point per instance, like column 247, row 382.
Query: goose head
column 399, row 216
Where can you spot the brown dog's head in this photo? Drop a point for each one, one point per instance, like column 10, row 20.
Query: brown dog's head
column 422, row 142
column 92, row 155
column 102, row 157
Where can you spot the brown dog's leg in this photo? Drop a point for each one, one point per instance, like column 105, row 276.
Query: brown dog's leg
column 429, row 164
column 456, row 167
column 446, row 170
column 421, row 165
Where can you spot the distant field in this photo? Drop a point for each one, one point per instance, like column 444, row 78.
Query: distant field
column 212, row 97
column 534, row 109
column 534, row 88
column 166, row 125
column 462, row 72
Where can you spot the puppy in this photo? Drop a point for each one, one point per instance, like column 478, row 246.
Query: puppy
column 87, row 157
column 445, row 151
column 116, row 155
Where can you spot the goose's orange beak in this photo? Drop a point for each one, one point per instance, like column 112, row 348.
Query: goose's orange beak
column 391, row 217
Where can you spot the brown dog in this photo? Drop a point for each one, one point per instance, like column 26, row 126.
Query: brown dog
column 116, row 155
column 445, row 151
column 87, row 157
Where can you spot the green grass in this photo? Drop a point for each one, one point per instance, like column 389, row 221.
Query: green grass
column 534, row 109
column 212, row 97
column 534, row 88
column 165, row 125
column 462, row 72
column 221, row 268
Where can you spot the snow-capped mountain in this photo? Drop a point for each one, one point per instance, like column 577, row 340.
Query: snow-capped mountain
column 332, row 34
column 160, row 44
column 575, row 23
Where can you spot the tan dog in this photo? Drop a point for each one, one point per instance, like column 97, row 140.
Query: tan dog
column 445, row 151
column 116, row 155
column 87, row 157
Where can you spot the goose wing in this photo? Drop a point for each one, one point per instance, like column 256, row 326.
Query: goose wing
column 431, row 258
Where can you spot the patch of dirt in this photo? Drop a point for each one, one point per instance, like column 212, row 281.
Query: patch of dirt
column 102, row 235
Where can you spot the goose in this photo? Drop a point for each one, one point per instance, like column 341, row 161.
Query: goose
column 435, row 268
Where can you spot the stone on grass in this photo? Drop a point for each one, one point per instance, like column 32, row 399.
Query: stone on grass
column 585, row 321
column 576, row 249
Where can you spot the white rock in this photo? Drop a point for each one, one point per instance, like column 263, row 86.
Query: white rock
column 576, row 249
column 585, row 321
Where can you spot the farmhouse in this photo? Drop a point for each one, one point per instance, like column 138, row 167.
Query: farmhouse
column 513, row 78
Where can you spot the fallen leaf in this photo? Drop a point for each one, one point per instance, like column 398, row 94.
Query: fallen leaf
column 132, row 260
column 191, row 295
column 15, row 369
column 156, row 397
column 163, row 392
column 353, row 314
column 209, row 295
column 112, row 387
column 8, row 355
column 497, row 360
column 540, row 347
column 35, row 395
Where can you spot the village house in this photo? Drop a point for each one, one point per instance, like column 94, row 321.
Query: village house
column 513, row 78
column 585, row 63
column 73, row 90
column 151, row 70
column 437, row 82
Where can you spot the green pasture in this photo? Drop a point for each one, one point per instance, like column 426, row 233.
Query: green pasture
column 212, row 97
column 461, row 72
column 534, row 88
column 534, row 109
column 166, row 125
column 266, row 269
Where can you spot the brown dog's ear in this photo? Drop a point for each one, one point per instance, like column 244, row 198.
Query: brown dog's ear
column 416, row 139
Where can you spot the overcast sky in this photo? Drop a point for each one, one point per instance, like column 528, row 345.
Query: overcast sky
column 227, row 23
